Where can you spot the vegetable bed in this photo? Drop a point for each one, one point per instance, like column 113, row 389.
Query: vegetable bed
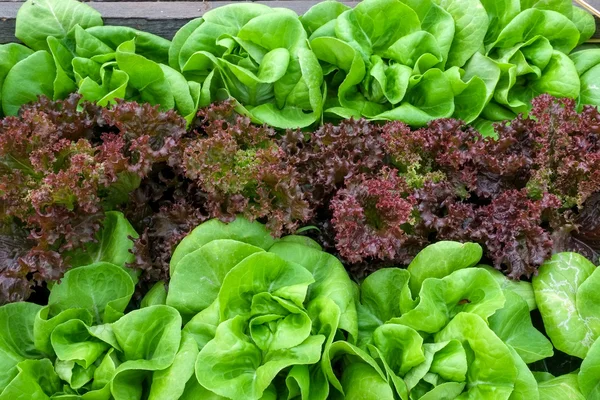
column 399, row 200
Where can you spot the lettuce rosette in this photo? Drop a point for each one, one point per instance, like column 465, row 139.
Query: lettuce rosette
column 532, row 51
column 261, row 310
column 444, row 329
column 259, row 56
column 530, row 42
column 467, row 60
column 403, row 60
column 248, row 316
column 77, row 53
column 567, row 291
column 84, row 344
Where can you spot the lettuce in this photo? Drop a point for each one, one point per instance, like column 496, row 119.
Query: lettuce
column 249, row 316
column 476, row 60
column 76, row 53
column 275, row 302
column 258, row 56
column 566, row 291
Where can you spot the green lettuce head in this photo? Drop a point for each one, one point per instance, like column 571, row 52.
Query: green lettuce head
column 260, row 309
column 257, row 55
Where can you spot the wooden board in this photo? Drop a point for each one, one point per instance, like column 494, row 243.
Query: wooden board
column 163, row 18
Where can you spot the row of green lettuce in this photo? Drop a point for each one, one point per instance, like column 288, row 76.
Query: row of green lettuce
column 408, row 60
column 247, row 316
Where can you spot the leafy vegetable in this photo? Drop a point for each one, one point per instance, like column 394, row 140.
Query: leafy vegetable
column 243, row 171
column 247, row 315
column 62, row 168
column 51, row 18
column 478, row 60
column 262, row 59
column 566, row 288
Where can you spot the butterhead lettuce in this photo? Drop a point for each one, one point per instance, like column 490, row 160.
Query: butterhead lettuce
column 248, row 316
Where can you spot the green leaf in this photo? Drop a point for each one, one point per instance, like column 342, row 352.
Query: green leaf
column 441, row 259
column 277, row 324
column 585, row 23
column 430, row 97
column 562, row 387
column 11, row 54
column 448, row 359
column 492, row 371
column 113, row 86
column 119, row 191
column 180, row 39
column 73, row 341
column 145, row 75
column 561, row 33
column 559, row 79
column 103, row 289
column 342, row 351
column 522, row 288
column 169, row 384
column 320, row 14
column 63, row 83
column 525, row 384
column 16, row 338
column 156, row 295
column 35, row 380
column 410, row 51
column 217, row 23
column 72, row 373
column 87, row 45
column 185, row 103
column 150, row 46
column 564, row 7
column 113, row 243
column 105, row 372
column 399, row 346
column 39, row 19
column 301, row 239
column 154, row 351
column 361, row 381
column 150, row 339
column 380, row 295
column 330, row 280
column 587, row 63
column 232, row 366
column 204, row 325
column 471, row 24
column 278, row 29
column 194, row 391
column 45, row 325
column 371, row 26
column 199, row 276
column 589, row 374
column 567, row 290
column 500, row 13
column 29, row 78
column 513, row 325
column 480, row 79
column 471, row 290
column 262, row 273
column 445, row 391
column 438, row 22
column 240, row 229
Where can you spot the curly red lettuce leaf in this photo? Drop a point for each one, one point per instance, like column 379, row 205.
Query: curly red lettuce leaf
column 368, row 215
column 14, row 283
column 63, row 164
column 242, row 170
column 333, row 153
